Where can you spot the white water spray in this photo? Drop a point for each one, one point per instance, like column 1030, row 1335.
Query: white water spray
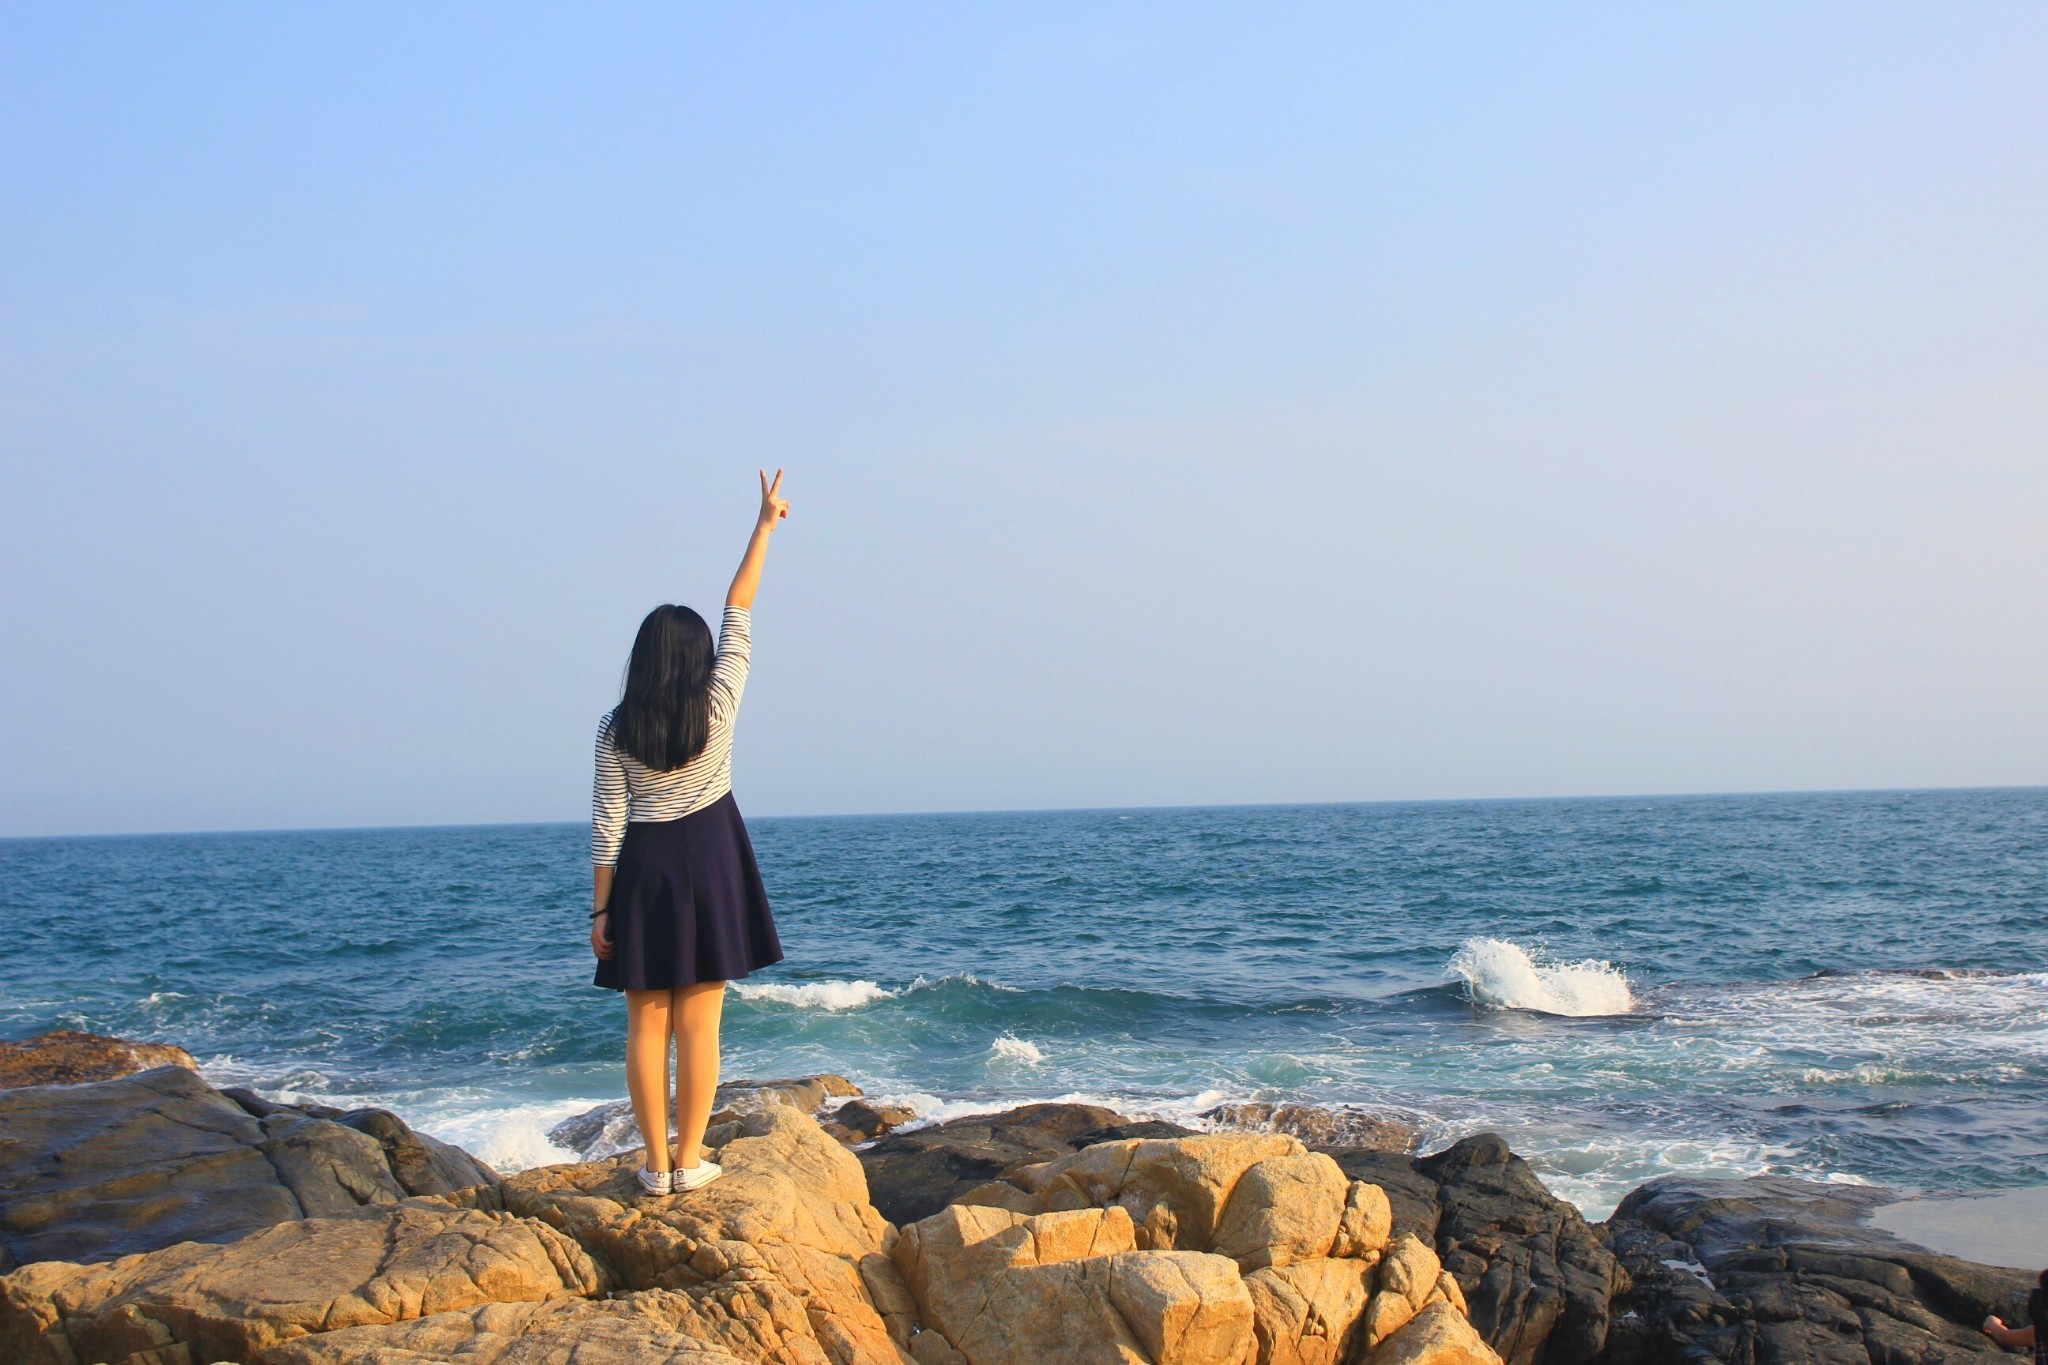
column 1503, row 975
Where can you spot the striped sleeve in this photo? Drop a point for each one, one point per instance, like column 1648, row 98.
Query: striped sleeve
column 735, row 653
column 608, row 800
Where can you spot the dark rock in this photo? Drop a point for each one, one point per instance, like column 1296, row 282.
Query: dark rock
column 100, row 1170
column 263, row 1109
column 913, row 1175
column 1547, row 1281
column 869, row 1121
column 68, row 1057
column 1771, row 1269
column 1319, row 1125
column 421, row 1164
column 1536, row 1278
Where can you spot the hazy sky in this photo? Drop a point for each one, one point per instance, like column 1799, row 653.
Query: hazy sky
column 1181, row 404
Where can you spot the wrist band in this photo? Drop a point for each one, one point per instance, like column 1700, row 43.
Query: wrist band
column 601, row 910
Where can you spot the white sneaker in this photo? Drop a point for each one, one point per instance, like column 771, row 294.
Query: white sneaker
column 657, row 1182
column 695, row 1177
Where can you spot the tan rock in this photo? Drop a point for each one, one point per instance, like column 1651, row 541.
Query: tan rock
column 1281, row 1210
column 784, row 1246
column 953, row 1260
column 890, row 1296
column 1438, row 1335
column 1067, row 1288
column 1386, row 1313
column 67, row 1057
column 1161, row 1230
column 1410, row 1269
column 1185, row 1308
column 1192, row 1176
column 1059, row 1314
column 785, row 1309
column 999, row 1194
column 785, row 1183
column 1451, row 1292
column 1093, row 1176
column 1303, row 1314
column 1367, row 1222
column 637, row 1329
column 377, row 1265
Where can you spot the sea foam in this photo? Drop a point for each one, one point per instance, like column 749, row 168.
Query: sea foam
column 815, row 995
column 1009, row 1048
column 1503, row 975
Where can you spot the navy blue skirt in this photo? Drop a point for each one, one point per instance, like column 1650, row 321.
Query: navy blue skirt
column 687, row 904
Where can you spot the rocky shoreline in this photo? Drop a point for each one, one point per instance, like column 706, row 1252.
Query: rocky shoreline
column 149, row 1218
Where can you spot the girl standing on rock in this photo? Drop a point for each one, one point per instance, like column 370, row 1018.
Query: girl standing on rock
column 680, row 909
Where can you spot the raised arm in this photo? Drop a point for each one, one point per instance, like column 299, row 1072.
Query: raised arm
column 774, row 507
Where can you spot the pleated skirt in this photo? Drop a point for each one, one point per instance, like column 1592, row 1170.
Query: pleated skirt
column 687, row 904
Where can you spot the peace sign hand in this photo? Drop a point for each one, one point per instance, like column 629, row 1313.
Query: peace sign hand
column 774, row 507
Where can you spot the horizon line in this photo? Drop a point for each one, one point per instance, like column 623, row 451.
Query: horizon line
column 1064, row 810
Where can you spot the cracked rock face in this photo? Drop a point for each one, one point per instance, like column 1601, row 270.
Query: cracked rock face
column 1004, row 1288
column 1216, row 1249
column 90, row 1172
column 375, row 1265
column 652, row 1328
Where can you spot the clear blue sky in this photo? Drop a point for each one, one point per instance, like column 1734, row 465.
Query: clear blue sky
column 1182, row 404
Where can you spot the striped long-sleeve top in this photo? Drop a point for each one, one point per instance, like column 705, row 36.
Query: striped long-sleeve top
column 628, row 789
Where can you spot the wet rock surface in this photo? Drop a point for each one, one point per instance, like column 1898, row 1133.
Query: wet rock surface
column 1768, row 1270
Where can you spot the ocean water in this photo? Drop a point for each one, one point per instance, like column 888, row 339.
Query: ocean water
column 1847, row 987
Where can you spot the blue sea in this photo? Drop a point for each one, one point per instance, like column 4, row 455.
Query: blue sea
column 1846, row 987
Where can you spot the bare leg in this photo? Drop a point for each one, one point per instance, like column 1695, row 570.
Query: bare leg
column 697, row 1010
column 647, row 1034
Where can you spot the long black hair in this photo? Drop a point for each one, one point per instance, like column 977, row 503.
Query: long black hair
column 2037, row 1306
column 664, row 718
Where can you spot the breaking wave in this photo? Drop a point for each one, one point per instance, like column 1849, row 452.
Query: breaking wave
column 815, row 995
column 1503, row 975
